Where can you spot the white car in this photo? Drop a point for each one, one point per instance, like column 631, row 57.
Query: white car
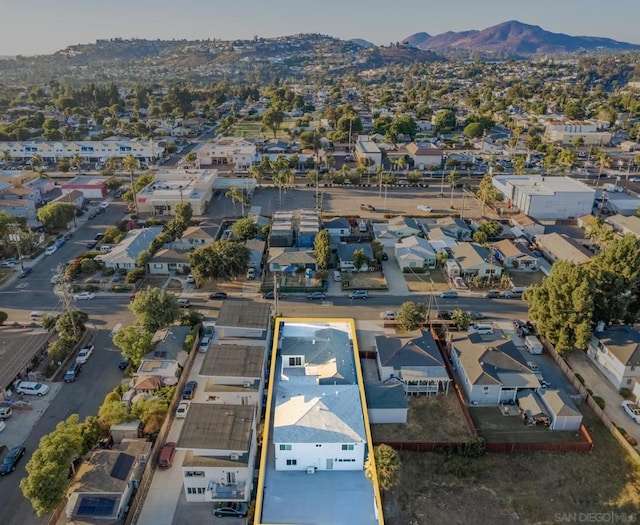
column 533, row 367
column 425, row 208
column 191, row 279
column 50, row 250
column 337, row 276
column 84, row 354
column 632, row 410
column 181, row 411
column 388, row 315
column 84, row 296
column 104, row 205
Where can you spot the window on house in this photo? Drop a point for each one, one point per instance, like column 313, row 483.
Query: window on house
column 201, row 490
column 347, row 447
column 194, row 474
column 285, row 447
column 292, row 462
column 231, row 478
column 295, row 361
column 485, row 388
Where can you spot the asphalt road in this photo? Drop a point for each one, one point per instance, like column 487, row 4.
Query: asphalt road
column 98, row 376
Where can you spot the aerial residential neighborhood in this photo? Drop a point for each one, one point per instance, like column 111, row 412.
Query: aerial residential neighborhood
column 306, row 279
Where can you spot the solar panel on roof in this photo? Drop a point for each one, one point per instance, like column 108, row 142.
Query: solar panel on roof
column 160, row 353
column 122, row 466
column 96, row 506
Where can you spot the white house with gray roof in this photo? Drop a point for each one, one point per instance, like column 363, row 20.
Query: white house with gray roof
column 491, row 370
column 415, row 252
column 125, row 254
column 475, row 261
column 616, row 353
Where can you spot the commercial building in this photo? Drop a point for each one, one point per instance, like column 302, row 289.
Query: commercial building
column 543, row 197
column 368, row 151
column 170, row 188
column 91, row 187
column 93, row 151
column 566, row 132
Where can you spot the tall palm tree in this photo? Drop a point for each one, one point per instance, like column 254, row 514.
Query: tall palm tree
column 487, row 192
column 236, row 195
column 131, row 164
column 36, row 161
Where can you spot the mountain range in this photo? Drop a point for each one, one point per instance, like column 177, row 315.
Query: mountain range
column 514, row 38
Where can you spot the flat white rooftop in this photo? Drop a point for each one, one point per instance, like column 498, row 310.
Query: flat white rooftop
column 543, row 185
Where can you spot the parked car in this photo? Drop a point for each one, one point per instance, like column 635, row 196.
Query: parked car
column 632, row 410
column 218, row 295
column 72, row 373
column 92, row 244
column 184, row 303
column 167, row 452
column 191, row 279
column 424, row 208
column 270, row 295
column 337, row 276
column 204, row 344
column 11, row 460
column 475, row 315
column 251, row 274
column 385, row 257
column 24, row 272
column 388, row 315
column 5, row 413
column 181, row 411
column 31, row 388
column 231, row 508
column 532, row 366
column 189, row 390
column 359, row 294
column 367, row 207
column 84, row 296
column 445, row 315
column 316, row 296
column 124, row 363
column 208, row 331
column 51, row 250
column 492, row 294
column 449, row 294
column 84, row 354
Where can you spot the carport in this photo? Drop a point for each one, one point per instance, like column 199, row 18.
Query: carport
column 564, row 413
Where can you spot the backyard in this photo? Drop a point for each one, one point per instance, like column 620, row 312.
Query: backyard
column 515, row 488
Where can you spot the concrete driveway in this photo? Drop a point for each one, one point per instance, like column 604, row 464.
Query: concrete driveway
column 594, row 380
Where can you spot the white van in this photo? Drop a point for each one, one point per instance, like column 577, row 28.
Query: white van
column 482, row 329
column 31, row 388
column 36, row 315
column 533, row 344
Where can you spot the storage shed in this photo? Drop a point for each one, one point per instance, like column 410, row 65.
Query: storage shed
column 564, row 413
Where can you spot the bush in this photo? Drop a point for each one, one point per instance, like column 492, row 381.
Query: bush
column 134, row 275
column 3, row 317
column 624, row 392
column 50, row 369
column 580, row 378
column 107, row 272
column 589, row 391
column 599, row 401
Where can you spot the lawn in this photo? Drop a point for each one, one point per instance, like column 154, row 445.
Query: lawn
column 426, row 282
column 526, row 278
column 430, row 419
column 515, row 488
column 254, row 129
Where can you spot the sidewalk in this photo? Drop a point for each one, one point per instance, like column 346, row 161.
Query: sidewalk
column 594, row 380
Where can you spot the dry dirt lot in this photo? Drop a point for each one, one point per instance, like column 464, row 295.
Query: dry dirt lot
column 532, row 488
column 433, row 281
column 430, row 419
column 364, row 280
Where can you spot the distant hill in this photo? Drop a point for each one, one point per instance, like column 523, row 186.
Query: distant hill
column 362, row 43
column 516, row 38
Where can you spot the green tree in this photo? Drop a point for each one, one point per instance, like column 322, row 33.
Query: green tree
column 411, row 315
column 245, row 228
column 113, row 413
column 322, row 249
column 378, row 249
column 473, row 130
column 562, row 306
column 152, row 412
column 154, row 309
column 387, row 466
column 134, row 343
column 56, row 215
column 220, row 260
column 46, row 481
column 360, row 259
column 445, row 120
column 461, row 319
column 615, row 273
column 273, row 118
column 492, row 229
column 184, row 213
column 191, row 158
column 72, row 323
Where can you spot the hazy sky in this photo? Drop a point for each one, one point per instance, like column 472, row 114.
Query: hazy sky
column 43, row 26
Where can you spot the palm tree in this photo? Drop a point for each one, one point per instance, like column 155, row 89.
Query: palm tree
column 487, row 193
column 256, row 172
column 77, row 161
column 36, row 161
column 236, row 195
column 282, row 180
column 387, row 466
column 131, row 164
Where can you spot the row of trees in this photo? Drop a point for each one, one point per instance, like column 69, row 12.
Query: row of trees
column 573, row 298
